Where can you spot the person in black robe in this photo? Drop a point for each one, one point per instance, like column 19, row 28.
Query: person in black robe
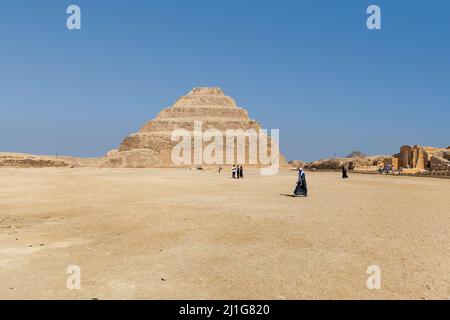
column 238, row 172
column 344, row 172
column 241, row 172
column 301, row 188
column 233, row 172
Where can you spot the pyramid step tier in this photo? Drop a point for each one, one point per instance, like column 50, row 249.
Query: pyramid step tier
column 188, row 124
column 205, row 100
column 157, row 141
column 200, row 112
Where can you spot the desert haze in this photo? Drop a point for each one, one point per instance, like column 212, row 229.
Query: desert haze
column 186, row 234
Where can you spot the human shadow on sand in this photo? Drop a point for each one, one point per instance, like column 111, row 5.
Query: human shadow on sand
column 291, row 195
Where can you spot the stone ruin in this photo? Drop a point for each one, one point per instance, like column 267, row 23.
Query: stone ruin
column 421, row 160
column 152, row 145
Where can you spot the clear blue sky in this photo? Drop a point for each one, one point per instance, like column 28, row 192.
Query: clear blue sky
column 310, row 68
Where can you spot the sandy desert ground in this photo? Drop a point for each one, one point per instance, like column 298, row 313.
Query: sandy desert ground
column 180, row 234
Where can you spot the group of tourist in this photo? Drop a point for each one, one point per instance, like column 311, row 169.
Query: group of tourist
column 390, row 169
column 237, row 172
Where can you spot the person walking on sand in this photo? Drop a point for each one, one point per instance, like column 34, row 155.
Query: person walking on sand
column 301, row 189
column 238, row 172
column 233, row 172
column 241, row 172
column 344, row 172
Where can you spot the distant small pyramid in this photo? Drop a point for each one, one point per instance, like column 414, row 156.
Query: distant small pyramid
column 356, row 154
column 152, row 145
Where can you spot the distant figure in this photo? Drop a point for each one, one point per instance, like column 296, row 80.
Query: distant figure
column 301, row 188
column 233, row 172
column 344, row 172
column 238, row 172
column 351, row 166
column 220, row 169
column 241, row 172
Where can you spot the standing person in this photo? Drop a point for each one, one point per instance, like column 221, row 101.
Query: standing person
column 238, row 172
column 233, row 172
column 301, row 189
column 241, row 172
column 344, row 172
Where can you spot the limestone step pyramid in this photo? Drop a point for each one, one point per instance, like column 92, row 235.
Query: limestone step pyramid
column 152, row 145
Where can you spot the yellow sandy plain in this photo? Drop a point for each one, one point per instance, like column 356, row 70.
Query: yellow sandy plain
column 180, row 234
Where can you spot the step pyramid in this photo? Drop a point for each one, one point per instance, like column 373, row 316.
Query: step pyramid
column 152, row 146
